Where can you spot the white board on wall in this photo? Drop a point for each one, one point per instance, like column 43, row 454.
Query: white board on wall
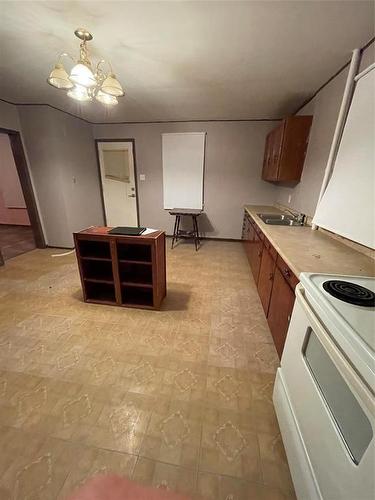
column 183, row 169
column 347, row 206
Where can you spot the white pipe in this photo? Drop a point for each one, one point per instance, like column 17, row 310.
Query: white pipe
column 63, row 254
column 345, row 103
column 364, row 72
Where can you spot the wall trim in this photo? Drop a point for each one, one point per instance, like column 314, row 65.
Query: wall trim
column 366, row 46
column 309, row 99
column 210, row 238
column 191, row 121
column 30, row 104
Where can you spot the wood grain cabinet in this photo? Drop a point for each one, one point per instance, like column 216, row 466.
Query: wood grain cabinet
column 280, row 310
column 285, row 150
column 266, row 275
column 274, row 278
column 253, row 242
column 256, row 253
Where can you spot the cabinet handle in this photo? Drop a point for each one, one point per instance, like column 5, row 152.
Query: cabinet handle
column 270, row 277
column 259, row 253
column 287, row 272
column 289, row 318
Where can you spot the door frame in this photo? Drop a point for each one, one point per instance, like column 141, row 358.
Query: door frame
column 97, row 141
column 26, row 185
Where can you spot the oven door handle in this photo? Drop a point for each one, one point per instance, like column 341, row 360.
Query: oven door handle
column 345, row 368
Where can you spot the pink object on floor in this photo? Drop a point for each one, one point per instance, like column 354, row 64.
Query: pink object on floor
column 113, row 487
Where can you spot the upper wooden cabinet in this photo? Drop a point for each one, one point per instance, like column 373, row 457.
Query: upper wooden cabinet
column 285, row 150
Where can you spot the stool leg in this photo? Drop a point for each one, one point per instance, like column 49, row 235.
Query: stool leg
column 199, row 238
column 174, row 231
column 196, row 237
column 178, row 227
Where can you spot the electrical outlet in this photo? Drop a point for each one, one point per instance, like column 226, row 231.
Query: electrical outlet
column 289, row 198
column 142, row 177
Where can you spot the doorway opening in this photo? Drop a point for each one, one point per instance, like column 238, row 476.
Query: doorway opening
column 20, row 227
column 118, row 179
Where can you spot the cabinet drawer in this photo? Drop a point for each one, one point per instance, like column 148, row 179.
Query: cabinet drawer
column 287, row 272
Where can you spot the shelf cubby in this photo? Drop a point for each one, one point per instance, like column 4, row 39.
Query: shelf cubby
column 94, row 249
column 137, row 296
column 134, row 252
column 135, row 273
column 98, row 270
column 100, row 292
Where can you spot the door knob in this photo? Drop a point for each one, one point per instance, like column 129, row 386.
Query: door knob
column 131, row 195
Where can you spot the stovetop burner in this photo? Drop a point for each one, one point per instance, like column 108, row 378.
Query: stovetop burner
column 350, row 292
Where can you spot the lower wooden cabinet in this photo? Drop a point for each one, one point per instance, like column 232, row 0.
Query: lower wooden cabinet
column 274, row 279
column 256, row 248
column 265, row 280
column 280, row 310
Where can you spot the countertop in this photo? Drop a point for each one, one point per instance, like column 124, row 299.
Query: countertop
column 305, row 250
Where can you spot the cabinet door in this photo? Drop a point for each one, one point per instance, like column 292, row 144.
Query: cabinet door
column 267, row 156
column 294, row 147
column 280, row 310
column 265, row 281
column 256, row 255
column 248, row 238
column 276, row 152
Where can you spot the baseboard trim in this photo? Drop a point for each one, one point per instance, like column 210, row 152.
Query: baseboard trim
column 211, row 238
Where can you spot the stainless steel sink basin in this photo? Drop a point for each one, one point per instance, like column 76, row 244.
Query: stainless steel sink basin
column 280, row 220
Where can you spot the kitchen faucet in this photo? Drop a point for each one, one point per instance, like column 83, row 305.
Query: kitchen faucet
column 299, row 216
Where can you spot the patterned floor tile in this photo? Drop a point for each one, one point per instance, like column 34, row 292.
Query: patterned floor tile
column 180, row 399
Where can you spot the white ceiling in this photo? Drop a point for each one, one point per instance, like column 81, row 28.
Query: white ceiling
column 184, row 60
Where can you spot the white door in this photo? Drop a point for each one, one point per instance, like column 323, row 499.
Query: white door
column 116, row 160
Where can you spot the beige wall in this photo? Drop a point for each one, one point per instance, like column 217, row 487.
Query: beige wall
column 62, row 161
column 12, row 203
column 233, row 163
column 325, row 108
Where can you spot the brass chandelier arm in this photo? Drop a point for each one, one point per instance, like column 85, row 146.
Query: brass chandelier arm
column 65, row 54
column 99, row 72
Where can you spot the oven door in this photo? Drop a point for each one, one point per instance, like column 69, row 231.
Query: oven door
column 332, row 407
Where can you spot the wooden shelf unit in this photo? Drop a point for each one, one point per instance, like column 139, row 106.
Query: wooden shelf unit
column 128, row 271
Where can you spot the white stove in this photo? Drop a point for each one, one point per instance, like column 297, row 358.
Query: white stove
column 324, row 389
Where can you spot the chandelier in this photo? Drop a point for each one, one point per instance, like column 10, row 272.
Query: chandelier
column 84, row 82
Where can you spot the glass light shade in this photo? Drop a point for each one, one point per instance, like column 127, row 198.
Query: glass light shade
column 106, row 98
column 82, row 75
column 79, row 93
column 59, row 78
column 112, row 86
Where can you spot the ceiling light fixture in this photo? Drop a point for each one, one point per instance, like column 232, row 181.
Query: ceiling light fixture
column 85, row 83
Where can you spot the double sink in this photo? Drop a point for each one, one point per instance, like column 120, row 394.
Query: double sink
column 283, row 219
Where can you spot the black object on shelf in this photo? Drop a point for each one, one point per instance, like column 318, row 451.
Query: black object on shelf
column 127, row 231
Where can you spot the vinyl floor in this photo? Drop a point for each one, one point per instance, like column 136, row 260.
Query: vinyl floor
column 180, row 399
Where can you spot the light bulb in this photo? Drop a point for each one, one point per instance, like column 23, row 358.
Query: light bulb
column 82, row 75
column 79, row 93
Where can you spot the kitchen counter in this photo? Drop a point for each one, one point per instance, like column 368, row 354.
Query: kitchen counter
column 305, row 250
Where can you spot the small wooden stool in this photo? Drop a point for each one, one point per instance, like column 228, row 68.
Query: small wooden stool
column 179, row 233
